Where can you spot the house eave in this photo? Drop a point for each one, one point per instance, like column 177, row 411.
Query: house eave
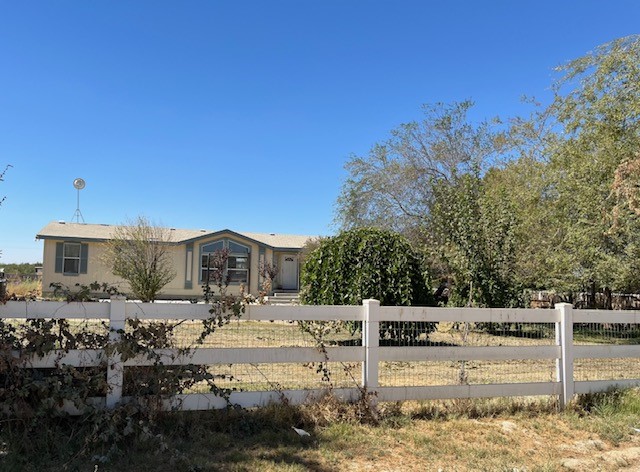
column 240, row 236
column 69, row 238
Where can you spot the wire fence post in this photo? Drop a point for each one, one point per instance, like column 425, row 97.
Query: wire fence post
column 564, row 335
column 115, row 369
column 370, row 342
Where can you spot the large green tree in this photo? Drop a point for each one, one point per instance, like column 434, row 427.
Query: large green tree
column 472, row 231
column 520, row 191
column 426, row 181
column 597, row 107
column 551, row 201
column 393, row 186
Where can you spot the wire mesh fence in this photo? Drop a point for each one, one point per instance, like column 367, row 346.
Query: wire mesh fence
column 490, row 351
column 606, row 334
column 492, row 334
column 586, row 369
column 468, row 334
column 286, row 376
column 406, row 374
column 255, row 334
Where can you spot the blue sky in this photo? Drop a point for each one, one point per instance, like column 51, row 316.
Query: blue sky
column 242, row 114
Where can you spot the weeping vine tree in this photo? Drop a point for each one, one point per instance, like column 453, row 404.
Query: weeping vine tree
column 368, row 263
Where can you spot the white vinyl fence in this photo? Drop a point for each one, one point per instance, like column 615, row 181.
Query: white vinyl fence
column 471, row 353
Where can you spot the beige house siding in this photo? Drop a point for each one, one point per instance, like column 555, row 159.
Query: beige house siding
column 96, row 271
column 187, row 283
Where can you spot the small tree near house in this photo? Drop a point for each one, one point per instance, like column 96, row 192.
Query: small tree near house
column 268, row 272
column 217, row 278
column 138, row 252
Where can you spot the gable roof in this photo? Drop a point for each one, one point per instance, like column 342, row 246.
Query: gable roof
column 103, row 232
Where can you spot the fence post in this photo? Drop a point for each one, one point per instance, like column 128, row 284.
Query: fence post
column 564, row 336
column 370, row 342
column 115, row 370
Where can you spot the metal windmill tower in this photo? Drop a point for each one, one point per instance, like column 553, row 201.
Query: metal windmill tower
column 79, row 184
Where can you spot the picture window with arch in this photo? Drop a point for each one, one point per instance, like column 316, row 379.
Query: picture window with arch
column 237, row 268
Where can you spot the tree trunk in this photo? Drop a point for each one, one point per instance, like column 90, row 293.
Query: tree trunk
column 591, row 301
column 608, row 299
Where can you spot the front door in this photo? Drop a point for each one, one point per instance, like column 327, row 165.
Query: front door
column 289, row 272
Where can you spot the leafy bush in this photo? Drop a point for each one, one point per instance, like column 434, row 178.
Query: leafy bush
column 365, row 263
column 368, row 263
column 35, row 400
column 139, row 253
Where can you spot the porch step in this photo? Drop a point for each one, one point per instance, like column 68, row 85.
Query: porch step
column 284, row 298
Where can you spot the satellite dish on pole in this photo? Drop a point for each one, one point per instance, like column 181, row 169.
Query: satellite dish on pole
column 79, row 184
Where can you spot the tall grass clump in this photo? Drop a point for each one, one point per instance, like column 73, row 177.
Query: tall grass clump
column 613, row 414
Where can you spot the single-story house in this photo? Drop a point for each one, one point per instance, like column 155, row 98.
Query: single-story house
column 72, row 255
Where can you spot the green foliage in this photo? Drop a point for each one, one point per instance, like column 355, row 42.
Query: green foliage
column 138, row 253
column 33, row 393
column 83, row 293
column 365, row 263
column 426, row 182
column 613, row 414
column 597, row 104
column 21, row 269
column 473, row 240
column 35, row 398
column 368, row 263
column 392, row 187
column 572, row 177
column 545, row 202
column 521, row 190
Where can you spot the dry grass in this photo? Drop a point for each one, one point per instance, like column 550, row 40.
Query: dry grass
column 24, row 289
column 482, row 435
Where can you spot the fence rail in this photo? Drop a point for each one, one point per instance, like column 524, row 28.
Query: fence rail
column 560, row 341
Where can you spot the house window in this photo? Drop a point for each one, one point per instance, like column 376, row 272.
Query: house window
column 71, row 258
column 238, row 269
column 237, row 265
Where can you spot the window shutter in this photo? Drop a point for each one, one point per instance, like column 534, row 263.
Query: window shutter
column 59, row 251
column 84, row 256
